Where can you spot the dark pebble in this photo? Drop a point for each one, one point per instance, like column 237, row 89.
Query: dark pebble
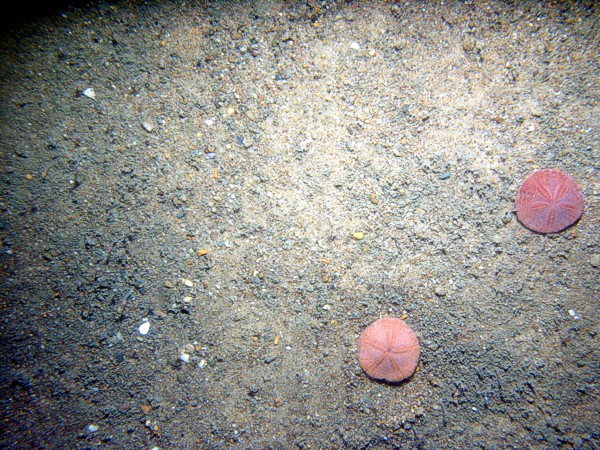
column 175, row 362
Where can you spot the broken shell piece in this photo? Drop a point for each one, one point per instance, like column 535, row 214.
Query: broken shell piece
column 89, row 92
column 148, row 125
column 189, row 348
column 144, row 328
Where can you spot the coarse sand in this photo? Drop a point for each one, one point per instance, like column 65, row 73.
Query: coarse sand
column 203, row 205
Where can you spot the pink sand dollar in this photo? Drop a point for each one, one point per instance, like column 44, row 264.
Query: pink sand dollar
column 549, row 201
column 388, row 350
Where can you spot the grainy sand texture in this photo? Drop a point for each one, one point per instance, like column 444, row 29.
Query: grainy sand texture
column 204, row 204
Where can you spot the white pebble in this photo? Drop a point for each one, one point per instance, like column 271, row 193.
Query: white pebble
column 148, row 125
column 355, row 46
column 185, row 357
column 93, row 428
column 188, row 283
column 144, row 328
column 202, row 363
column 89, row 92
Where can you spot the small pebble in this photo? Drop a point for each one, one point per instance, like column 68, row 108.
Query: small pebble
column 189, row 348
column 148, row 125
column 230, row 111
column 147, row 409
column 440, row 291
column 188, row 283
column 506, row 217
column 89, row 92
column 185, row 357
column 355, row 46
column 358, row 235
column 92, row 428
column 144, row 328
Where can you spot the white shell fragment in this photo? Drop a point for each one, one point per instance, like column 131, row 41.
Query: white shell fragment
column 148, row 125
column 89, row 92
column 144, row 328
column 185, row 357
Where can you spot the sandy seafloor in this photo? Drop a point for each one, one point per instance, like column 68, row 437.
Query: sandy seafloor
column 205, row 167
